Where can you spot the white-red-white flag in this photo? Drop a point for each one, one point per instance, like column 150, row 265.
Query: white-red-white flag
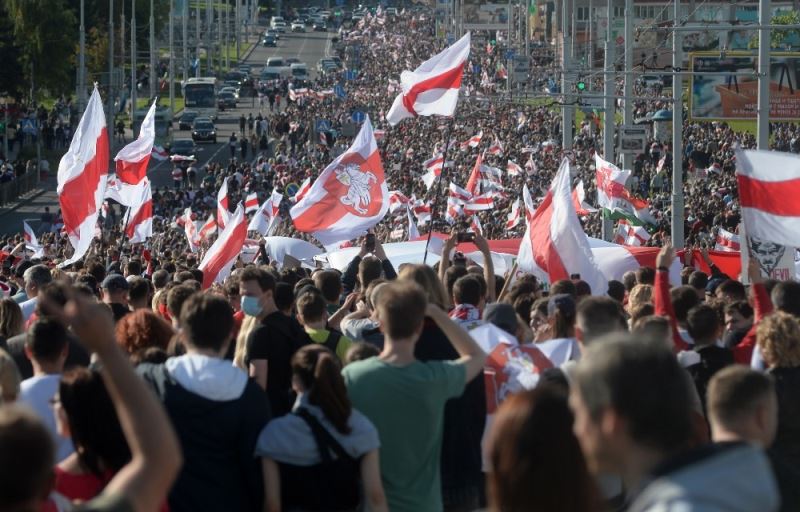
column 265, row 217
column 251, row 203
column 159, row 153
column 727, row 241
column 458, row 193
column 139, row 226
column 515, row 215
column 615, row 198
column 396, row 201
column 432, row 88
column 555, row 241
column 82, row 175
column 530, row 166
column 527, row 199
column 478, row 204
column 769, row 195
column 190, row 228
column 579, row 200
column 223, row 213
column 433, row 167
column 302, row 191
column 475, row 225
column 219, row 259
column 513, row 169
column 29, row 235
column 496, row 148
column 473, row 141
column 207, row 229
column 349, row 197
column 633, row 236
column 132, row 160
column 454, row 210
column 473, row 182
column 421, row 210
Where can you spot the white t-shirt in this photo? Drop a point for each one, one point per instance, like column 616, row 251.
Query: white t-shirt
column 36, row 393
column 28, row 307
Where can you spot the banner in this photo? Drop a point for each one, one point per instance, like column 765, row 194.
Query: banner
column 485, row 16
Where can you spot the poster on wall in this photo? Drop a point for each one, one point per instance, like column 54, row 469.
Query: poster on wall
column 732, row 91
column 479, row 15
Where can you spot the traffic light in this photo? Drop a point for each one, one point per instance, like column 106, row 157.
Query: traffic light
column 580, row 86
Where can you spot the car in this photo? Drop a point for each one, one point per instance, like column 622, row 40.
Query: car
column 309, row 21
column 291, row 60
column 275, row 62
column 269, row 40
column 276, row 19
column 651, row 81
column 186, row 119
column 274, row 33
column 320, row 26
column 299, row 70
column 298, row 26
column 183, row 147
column 279, row 27
column 232, row 90
column 245, row 69
column 204, row 130
column 338, row 61
column 226, row 99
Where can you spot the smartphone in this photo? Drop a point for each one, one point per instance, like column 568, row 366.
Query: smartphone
column 369, row 242
column 575, row 277
column 466, row 237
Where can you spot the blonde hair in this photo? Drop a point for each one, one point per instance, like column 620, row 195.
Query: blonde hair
column 425, row 276
column 9, row 378
column 778, row 335
column 248, row 325
column 639, row 295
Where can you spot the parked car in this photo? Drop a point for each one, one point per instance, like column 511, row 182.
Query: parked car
column 269, row 40
column 232, row 90
column 204, row 130
column 298, row 26
column 275, row 62
column 279, row 27
column 183, row 147
column 226, row 99
column 320, row 26
column 186, row 119
column 274, row 33
column 299, row 70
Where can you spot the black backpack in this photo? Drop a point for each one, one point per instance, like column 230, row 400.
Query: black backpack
column 333, row 341
column 331, row 485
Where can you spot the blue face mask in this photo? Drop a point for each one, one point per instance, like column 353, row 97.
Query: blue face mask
column 250, row 305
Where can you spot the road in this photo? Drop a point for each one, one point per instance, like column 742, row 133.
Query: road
column 308, row 48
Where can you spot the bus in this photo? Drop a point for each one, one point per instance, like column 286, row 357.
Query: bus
column 162, row 121
column 200, row 95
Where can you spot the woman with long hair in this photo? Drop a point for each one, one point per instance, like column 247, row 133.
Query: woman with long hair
column 313, row 457
column 11, row 320
column 535, row 460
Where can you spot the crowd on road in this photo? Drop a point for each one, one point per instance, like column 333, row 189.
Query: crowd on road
column 125, row 384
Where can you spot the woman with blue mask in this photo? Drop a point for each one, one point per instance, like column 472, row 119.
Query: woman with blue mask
column 255, row 300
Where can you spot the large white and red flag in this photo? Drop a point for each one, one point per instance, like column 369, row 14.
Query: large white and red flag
column 223, row 213
column 727, row 241
column 190, row 228
column 139, row 219
column 265, row 218
column 515, row 216
column 555, row 241
column 302, row 191
column 132, row 160
column 579, row 199
column 421, row 210
column 432, row 88
column 31, row 243
column 634, row 236
column 615, row 199
column 433, row 167
column 479, row 203
column 513, row 169
column 458, row 193
column 82, row 175
column 349, row 197
column 769, row 195
column 397, row 200
column 207, row 229
column 219, row 259
column 473, row 142
column 251, row 203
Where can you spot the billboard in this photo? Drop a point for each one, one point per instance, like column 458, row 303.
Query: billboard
column 735, row 96
column 477, row 15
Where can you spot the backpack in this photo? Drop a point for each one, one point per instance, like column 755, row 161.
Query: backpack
column 333, row 341
column 331, row 485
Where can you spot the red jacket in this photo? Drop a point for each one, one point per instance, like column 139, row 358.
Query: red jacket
column 662, row 302
column 762, row 306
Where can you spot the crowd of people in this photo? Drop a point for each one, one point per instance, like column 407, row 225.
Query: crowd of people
column 127, row 385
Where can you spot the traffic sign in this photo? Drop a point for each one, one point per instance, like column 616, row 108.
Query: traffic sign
column 632, row 139
column 339, row 91
column 620, row 40
column 350, row 74
column 451, row 38
column 291, row 189
column 28, row 126
column 510, row 53
column 340, row 2
column 322, row 125
column 358, row 116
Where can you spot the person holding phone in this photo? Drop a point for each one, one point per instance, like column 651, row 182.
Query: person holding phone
column 370, row 263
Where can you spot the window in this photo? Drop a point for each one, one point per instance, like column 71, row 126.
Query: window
column 582, row 14
column 619, row 11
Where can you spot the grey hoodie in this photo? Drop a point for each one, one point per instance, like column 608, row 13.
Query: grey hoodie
column 726, row 478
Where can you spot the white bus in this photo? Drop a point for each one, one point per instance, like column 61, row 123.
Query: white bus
column 200, row 94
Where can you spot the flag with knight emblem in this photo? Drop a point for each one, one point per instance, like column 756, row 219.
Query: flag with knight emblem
column 350, row 195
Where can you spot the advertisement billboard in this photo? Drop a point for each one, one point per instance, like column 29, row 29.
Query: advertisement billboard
column 479, row 15
column 735, row 95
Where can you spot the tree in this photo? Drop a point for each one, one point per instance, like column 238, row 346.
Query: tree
column 46, row 31
column 11, row 82
column 779, row 36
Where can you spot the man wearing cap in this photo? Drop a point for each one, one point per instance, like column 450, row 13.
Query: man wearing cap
column 115, row 294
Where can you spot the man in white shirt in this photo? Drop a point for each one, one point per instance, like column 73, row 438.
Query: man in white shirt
column 35, row 278
column 47, row 348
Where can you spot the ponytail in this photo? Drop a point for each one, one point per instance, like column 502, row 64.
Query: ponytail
column 320, row 372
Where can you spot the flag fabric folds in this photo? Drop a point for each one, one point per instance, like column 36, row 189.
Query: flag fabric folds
column 82, row 175
column 219, row 259
column 432, row 88
column 132, row 160
column 727, row 241
column 222, row 205
column 616, row 200
column 251, row 203
column 139, row 225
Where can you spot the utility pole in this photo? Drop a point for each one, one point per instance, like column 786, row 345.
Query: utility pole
column 133, row 65
column 677, row 134
column 110, row 93
column 81, row 65
column 236, row 30
column 198, row 32
column 764, row 43
column 209, row 50
column 223, row 48
column 528, row 30
column 185, row 31
column 171, row 59
column 573, row 12
column 627, row 115
column 609, row 108
column 566, row 110
column 153, row 61
column 590, row 45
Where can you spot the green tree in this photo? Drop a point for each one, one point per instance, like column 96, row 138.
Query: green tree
column 779, row 36
column 11, row 82
column 46, row 31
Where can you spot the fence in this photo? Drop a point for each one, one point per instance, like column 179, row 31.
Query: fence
column 11, row 192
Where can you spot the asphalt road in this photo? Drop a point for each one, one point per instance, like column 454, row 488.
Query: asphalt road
column 308, row 47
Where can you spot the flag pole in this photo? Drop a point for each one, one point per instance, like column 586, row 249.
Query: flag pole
column 124, row 229
column 439, row 186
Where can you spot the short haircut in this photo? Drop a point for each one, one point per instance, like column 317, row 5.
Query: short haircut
column 207, row 321
column 599, row 316
column 197, row 274
column 311, row 305
column 451, row 275
column 741, row 307
column 629, row 280
column 582, row 288
column 401, row 308
column 786, row 297
column 284, row 296
column 329, row 284
column 702, row 322
column 182, row 276
column 564, row 286
column 778, row 335
column 616, row 290
column 467, row 290
column 645, row 275
column 27, row 456
column 139, row 288
column 46, row 340
column 735, row 392
column 733, row 289
column 264, row 280
column 698, row 280
column 176, row 297
column 160, row 278
column 38, row 275
column 683, row 299
column 368, row 269
column 97, row 270
column 643, row 383
column 653, row 327
column 134, row 268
